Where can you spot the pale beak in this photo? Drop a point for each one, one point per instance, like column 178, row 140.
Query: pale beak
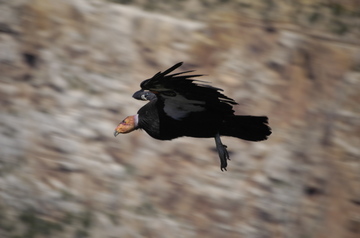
column 116, row 133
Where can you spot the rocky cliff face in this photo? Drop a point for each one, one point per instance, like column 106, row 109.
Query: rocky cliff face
column 68, row 70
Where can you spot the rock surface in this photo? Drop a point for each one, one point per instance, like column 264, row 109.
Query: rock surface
column 69, row 68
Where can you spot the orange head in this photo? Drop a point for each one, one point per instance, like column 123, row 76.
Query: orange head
column 127, row 125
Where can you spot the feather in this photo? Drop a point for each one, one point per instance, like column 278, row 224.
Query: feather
column 182, row 95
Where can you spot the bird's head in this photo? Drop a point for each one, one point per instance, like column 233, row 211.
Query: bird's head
column 129, row 124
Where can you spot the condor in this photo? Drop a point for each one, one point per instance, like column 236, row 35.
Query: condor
column 180, row 106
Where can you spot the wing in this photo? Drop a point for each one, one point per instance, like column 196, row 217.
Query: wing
column 181, row 94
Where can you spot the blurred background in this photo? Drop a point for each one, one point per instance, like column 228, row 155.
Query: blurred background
column 68, row 70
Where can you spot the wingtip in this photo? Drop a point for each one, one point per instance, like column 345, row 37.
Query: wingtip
column 169, row 70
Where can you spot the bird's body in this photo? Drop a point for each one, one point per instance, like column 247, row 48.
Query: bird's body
column 158, row 124
column 179, row 106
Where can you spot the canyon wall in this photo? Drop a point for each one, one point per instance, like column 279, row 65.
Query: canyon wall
column 68, row 70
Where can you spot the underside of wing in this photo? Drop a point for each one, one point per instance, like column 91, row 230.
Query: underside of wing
column 181, row 94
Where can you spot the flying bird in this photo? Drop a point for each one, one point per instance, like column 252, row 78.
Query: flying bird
column 180, row 106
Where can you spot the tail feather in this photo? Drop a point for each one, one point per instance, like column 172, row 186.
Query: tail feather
column 251, row 128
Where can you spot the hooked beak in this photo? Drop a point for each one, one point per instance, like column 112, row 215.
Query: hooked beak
column 116, row 133
column 127, row 125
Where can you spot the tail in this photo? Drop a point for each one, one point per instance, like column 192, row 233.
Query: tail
column 251, row 128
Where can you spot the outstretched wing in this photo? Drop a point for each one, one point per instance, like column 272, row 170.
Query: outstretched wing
column 181, row 94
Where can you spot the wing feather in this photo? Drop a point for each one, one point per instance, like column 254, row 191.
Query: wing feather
column 182, row 94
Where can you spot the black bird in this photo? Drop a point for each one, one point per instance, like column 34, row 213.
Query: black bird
column 182, row 106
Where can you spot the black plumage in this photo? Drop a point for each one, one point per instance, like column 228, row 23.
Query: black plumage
column 180, row 106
